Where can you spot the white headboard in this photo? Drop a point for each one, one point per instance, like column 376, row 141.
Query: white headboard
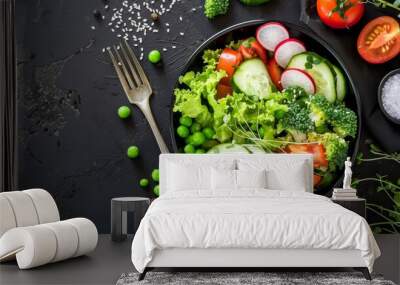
column 210, row 159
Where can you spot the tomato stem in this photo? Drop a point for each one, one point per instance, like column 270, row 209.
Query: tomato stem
column 341, row 8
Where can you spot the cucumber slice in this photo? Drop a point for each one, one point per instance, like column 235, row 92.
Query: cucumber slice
column 320, row 71
column 341, row 87
column 252, row 79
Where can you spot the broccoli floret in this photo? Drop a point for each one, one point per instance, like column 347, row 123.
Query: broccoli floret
column 336, row 148
column 292, row 94
column 320, row 111
column 213, row 8
column 296, row 121
column 344, row 121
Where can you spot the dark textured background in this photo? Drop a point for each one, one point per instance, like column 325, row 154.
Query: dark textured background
column 71, row 141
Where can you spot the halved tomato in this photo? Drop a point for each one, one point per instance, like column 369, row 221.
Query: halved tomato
column 275, row 71
column 316, row 149
column 228, row 61
column 340, row 14
column 379, row 40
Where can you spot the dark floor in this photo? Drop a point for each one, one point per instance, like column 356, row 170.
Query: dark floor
column 106, row 264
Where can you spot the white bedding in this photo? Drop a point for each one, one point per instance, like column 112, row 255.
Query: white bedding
column 253, row 218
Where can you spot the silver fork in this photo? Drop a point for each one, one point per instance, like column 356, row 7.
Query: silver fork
column 136, row 85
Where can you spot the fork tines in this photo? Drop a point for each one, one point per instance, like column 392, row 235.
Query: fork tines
column 127, row 66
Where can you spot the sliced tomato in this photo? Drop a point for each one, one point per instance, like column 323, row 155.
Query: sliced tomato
column 340, row 14
column 228, row 61
column 251, row 48
column 223, row 90
column 316, row 149
column 275, row 71
column 297, row 148
column 247, row 52
column 379, row 40
column 317, row 179
column 260, row 51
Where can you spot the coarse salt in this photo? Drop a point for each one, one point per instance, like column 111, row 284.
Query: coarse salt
column 391, row 96
column 130, row 20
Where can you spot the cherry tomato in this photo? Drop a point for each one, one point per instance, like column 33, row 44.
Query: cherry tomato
column 228, row 61
column 275, row 71
column 340, row 14
column 379, row 40
column 316, row 149
column 223, row 90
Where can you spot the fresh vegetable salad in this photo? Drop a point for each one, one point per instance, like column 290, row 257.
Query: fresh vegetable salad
column 267, row 93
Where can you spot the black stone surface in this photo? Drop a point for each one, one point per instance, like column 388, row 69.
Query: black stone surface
column 71, row 141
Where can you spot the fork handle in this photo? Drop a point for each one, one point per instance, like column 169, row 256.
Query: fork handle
column 146, row 110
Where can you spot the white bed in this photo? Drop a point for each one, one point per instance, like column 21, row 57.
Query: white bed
column 280, row 225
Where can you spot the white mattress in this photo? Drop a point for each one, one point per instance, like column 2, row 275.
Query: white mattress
column 253, row 219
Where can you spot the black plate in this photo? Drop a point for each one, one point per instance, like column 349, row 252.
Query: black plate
column 313, row 43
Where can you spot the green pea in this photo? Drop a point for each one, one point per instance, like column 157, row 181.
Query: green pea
column 209, row 133
column 156, row 190
column 154, row 56
column 200, row 151
column 186, row 121
column 183, row 131
column 124, row 112
column 144, row 182
column 189, row 149
column 196, row 127
column 198, row 138
column 133, row 151
column 155, row 174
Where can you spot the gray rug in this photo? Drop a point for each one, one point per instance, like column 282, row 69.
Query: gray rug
column 243, row 278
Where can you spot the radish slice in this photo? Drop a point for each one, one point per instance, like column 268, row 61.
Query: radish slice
column 292, row 77
column 286, row 49
column 271, row 34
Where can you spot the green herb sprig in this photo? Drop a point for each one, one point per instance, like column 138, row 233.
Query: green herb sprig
column 390, row 217
column 386, row 4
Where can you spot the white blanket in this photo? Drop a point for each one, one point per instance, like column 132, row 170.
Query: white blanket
column 256, row 218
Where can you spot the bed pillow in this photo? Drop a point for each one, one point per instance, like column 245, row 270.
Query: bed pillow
column 185, row 175
column 282, row 174
column 230, row 180
column 223, row 179
column 181, row 177
column 251, row 178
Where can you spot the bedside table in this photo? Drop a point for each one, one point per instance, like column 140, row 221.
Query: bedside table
column 357, row 205
column 119, row 210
